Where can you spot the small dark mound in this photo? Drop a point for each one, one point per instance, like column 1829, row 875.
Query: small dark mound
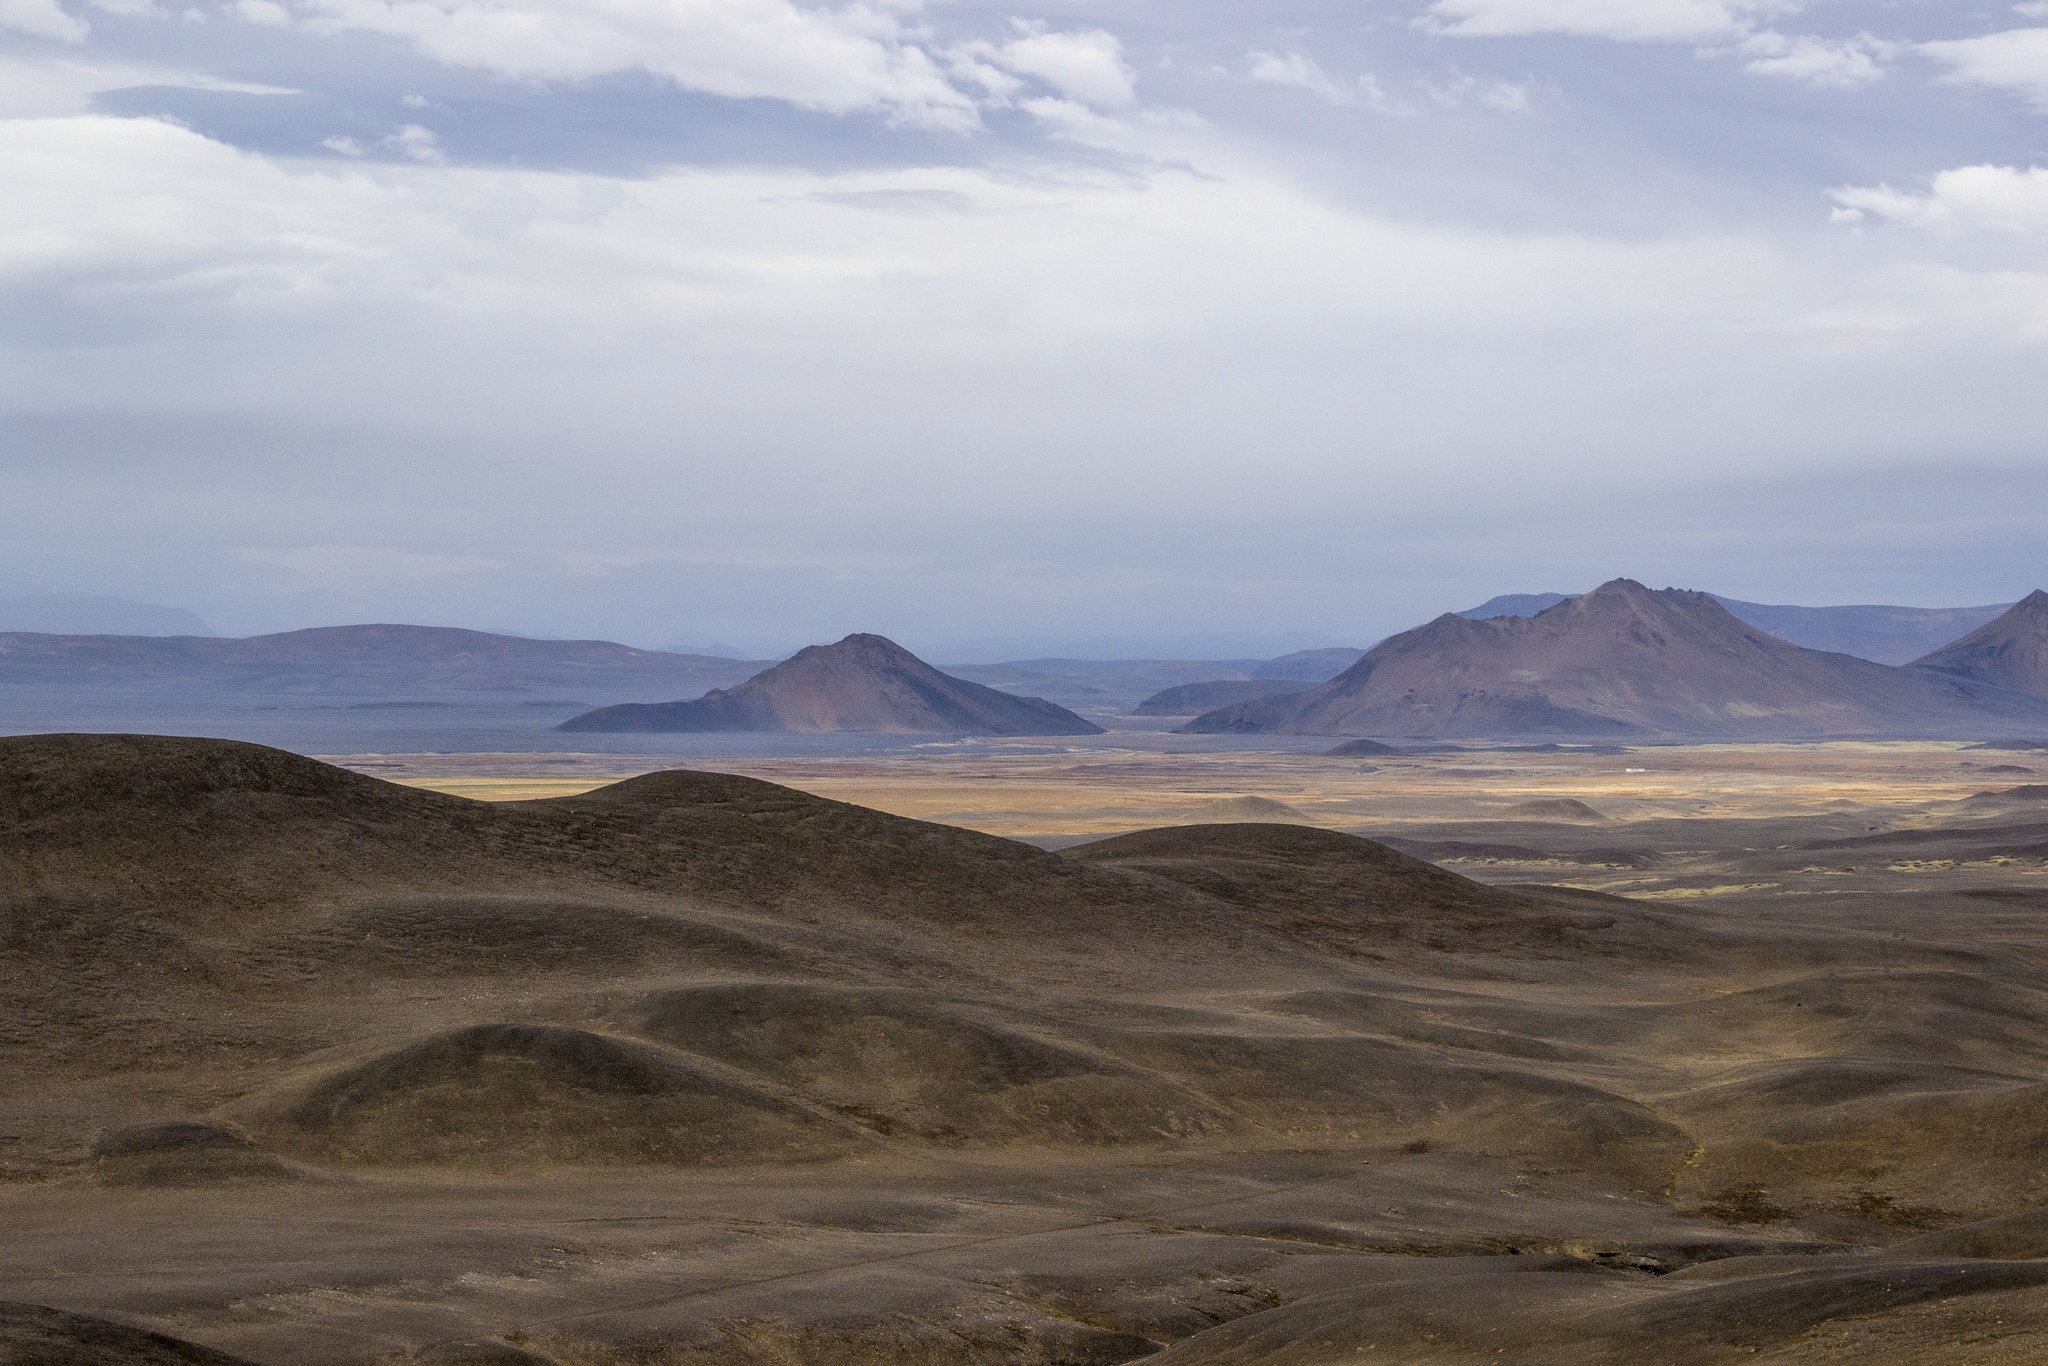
column 1569, row 809
column 692, row 787
column 181, row 1153
column 1362, row 749
column 1232, row 810
column 2010, row 1238
column 507, row 1094
column 177, row 1136
column 2008, row 768
column 2028, row 792
column 902, row 1064
column 2024, row 746
column 34, row 1335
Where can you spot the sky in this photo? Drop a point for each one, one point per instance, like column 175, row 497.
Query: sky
column 1113, row 328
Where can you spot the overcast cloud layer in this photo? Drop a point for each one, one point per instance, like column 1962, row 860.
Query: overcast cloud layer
column 1107, row 327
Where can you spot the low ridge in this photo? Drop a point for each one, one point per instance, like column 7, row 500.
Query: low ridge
column 1192, row 699
column 863, row 683
column 1623, row 660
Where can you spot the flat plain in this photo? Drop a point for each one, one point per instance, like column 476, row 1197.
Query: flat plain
column 1672, row 1054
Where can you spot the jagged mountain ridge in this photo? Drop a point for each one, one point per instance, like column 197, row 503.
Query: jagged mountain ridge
column 1882, row 634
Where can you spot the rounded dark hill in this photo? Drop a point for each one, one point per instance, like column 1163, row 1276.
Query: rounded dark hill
column 903, row 1064
column 1363, row 749
column 2008, row 652
column 1623, row 660
column 1360, row 899
column 213, row 824
column 512, row 1094
column 863, row 683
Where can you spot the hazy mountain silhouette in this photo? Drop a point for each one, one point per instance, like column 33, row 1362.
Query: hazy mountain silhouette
column 1624, row 660
column 863, row 683
column 2011, row 652
column 78, row 614
column 358, row 660
column 1309, row 666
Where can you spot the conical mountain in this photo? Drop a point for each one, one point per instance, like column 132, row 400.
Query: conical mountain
column 863, row 683
column 2011, row 651
column 1624, row 660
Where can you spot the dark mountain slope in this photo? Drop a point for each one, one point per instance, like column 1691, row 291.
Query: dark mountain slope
column 863, row 683
column 2011, row 652
column 1623, row 660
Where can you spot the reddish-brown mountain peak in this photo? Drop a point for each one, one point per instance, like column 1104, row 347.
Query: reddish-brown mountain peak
column 2010, row 651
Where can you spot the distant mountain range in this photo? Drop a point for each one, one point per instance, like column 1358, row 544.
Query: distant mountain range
column 1623, row 660
column 862, row 683
column 1885, row 635
column 360, row 661
column 79, row 614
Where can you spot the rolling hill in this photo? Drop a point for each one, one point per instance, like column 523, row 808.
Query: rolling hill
column 310, row 1069
column 862, row 683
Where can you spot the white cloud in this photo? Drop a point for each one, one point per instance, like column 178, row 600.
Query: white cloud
column 265, row 12
column 345, row 145
column 1504, row 97
column 1643, row 21
column 2015, row 60
column 1086, row 66
column 31, row 88
column 1831, row 63
column 1720, row 26
column 41, row 19
column 840, row 61
column 2003, row 198
column 1302, row 73
column 417, row 144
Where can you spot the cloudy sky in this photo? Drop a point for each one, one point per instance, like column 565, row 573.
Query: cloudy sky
column 1102, row 326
